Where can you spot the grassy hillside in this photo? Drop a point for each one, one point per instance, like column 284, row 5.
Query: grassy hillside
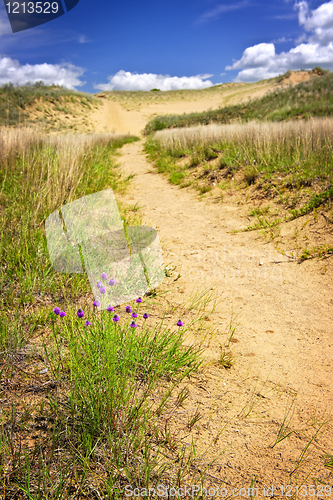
column 52, row 106
column 286, row 164
column 312, row 98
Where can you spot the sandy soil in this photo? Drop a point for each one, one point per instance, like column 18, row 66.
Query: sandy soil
column 283, row 339
column 131, row 115
column 296, row 77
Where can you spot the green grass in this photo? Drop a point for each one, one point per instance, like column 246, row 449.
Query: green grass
column 104, row 412
column 91, row 414
column 15, row 99
column 108, row 419
column 313, row 98
column 35, row 180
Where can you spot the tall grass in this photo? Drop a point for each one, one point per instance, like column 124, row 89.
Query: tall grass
column 264, row 143
column 303, row 147
column 275, row 157
column 38, row 175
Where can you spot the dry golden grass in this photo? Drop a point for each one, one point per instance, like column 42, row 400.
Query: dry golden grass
column 51, row 166
column 309, row 133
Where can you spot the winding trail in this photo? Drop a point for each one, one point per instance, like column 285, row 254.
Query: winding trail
column 285, row 312
column 283, row 340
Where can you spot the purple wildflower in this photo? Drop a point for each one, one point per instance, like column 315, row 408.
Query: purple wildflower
column 109, row 308
column 80, row 313
column 104, row 276
column 99, row 284
column 134, row 315
column 179, row 323
column 87, row 323
column 145, row 316
column 56, row 310
column 62, row 314
column 128, row 309
column 139, row 300
column 111, row 282
column 96, row 303
column 116, row 318
column 133, row 324
column 102, row 289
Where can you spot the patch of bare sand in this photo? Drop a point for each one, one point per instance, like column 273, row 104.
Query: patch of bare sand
column 133, row 115
column 123, row 114
column 296, row 77
column 283, row 340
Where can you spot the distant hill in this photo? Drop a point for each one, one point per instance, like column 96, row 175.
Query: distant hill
column 295, row 95
column 52, row 107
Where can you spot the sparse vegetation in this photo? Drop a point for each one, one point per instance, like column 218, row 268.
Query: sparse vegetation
column 312, row 98
column 16, row 101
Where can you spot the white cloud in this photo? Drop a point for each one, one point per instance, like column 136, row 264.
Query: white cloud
column 83, row 39
column 125, row 80
column 283, row 39
column 320, row 23
column 257, row 56
column 220, row 9
column 261, row 61
column 60, row 74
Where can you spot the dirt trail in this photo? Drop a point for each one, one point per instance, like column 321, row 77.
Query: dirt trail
column 285, row 316
column 131, row 114
column 284, row 335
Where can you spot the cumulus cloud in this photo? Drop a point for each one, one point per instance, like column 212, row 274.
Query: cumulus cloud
column 60, row 74
column 261, row 61
column 125, row 80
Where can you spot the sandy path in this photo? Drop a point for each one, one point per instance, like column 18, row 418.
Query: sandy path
column 284, row 336
column 285, row 310
column 284, row 342
column 131, row 115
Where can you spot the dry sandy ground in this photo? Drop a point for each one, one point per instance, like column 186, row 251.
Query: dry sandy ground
column 129, row 115
column 283, row 339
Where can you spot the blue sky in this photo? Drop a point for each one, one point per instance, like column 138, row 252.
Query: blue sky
column 131, row 45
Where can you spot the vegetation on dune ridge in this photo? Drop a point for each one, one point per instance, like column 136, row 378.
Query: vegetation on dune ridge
column 14, row 100
column 312, row 98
